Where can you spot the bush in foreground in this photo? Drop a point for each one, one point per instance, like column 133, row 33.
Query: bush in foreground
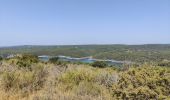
column 48, row 81
column 147, row 82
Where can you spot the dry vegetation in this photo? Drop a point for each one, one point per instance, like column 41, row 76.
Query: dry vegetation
column 46, row 81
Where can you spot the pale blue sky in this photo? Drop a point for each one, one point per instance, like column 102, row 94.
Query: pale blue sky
column 57, row 22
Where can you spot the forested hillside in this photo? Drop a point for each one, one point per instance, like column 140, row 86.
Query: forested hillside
column 138, row 53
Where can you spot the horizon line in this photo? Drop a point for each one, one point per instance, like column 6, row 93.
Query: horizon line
column 83, row 44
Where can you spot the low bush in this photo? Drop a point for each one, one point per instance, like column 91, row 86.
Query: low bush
column 164, row 64
column 1, row 58
column 48, row 81
column 54, row 60
column 74, row 77
column 23, row 61
column 143, row 82
column 100, row 64
column 23, row 80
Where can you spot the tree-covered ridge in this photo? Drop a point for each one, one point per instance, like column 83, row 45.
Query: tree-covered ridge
column 137, row 53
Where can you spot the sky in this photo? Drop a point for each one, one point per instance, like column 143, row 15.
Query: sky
column 70, row 22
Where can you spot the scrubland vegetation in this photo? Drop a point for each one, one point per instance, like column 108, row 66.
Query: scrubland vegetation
column 26, row 78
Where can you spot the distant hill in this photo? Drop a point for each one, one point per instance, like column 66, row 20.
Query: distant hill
column 139, row 53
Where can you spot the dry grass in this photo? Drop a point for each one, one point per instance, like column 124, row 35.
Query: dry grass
column 54, row 82
column 46, row 81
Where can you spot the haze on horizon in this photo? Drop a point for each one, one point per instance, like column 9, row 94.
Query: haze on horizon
column 67, row 22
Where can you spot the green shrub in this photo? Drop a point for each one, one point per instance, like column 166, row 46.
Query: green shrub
column 8, row 80
column 23, row 64
column 143, row 83
column 23, row 80
column 54, row 60
column 29, row 58
column 164, row 64
column 1, row 58
column 81, row 82
column 24, row 61
column 100, row 64
column 74, row 77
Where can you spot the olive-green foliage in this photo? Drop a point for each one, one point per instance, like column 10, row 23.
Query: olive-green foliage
column 48, row 81
column 25, row 60
column 147, row 82
column 23, row 80
column 105, row 76
column 135, row 53
column 57, row 61
column 74, row 77
column 54, row 59
column 100, row 64
column 28, row 58
column 88, row 81
column 164, row 64
column 1, row 58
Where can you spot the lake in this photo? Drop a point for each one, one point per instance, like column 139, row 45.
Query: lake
column 82, row 60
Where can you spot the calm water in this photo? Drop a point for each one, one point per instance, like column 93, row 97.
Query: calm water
column 82, row 60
